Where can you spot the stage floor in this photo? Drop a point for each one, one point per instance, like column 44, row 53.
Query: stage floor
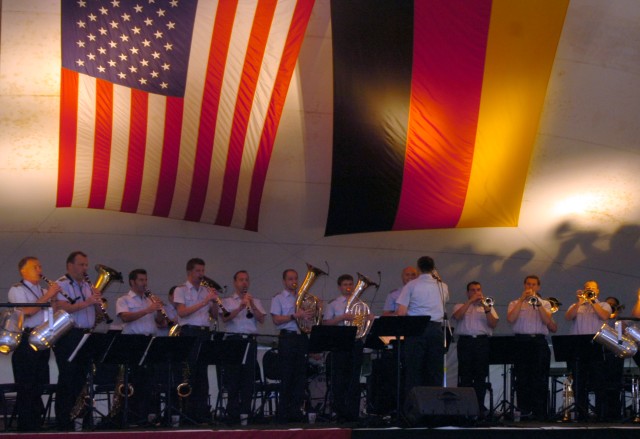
column 321, row 430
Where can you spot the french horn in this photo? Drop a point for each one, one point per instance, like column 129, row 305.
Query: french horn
column 359, row 309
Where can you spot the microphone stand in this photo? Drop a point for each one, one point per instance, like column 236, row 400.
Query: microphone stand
column 445, row 325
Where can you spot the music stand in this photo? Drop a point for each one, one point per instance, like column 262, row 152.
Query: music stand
column 502, row 350
column 169, row 350
column 572, row 349
column 92, row 348
column 225, row 350
column 329, row 338
column 126, row 350
column 398, row 326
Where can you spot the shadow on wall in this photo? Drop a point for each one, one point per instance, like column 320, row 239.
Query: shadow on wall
column 612, row 260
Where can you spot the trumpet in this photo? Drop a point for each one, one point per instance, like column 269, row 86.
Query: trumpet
column 588, row 295
column 210, row 283
column 49, row 282
column 535, row 301
column 487, row 301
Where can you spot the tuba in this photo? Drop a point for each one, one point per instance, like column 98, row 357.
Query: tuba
column 105, row 276
column 358, row 308
column 621, row 345
column 308, row 302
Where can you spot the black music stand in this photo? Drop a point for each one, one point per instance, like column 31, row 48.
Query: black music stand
column 126, row 350
column 223, row 352
column 398, row 326
column 502, row 350
column 92, row 348
column 573, row 349
column 325, row 338
column 169, row 350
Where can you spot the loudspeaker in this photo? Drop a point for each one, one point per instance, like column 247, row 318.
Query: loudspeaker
column 431, row 406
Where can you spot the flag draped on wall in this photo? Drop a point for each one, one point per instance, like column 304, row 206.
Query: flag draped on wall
column 436, row 109
column 171, row 107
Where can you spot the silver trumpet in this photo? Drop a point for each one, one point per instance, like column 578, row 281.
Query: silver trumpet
column 534, row 301
column 487, row 301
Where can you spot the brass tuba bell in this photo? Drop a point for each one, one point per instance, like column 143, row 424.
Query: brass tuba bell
column 307, row 301
column 359, row 309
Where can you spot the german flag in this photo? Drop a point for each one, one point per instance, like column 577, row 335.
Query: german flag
column 436, row 110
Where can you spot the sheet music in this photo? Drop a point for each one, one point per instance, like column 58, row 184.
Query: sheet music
column 84, row 339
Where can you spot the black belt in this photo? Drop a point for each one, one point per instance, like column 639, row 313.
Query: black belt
column 240, row 336
column 289, row 332
column 472, row 336
column 199, row 328
column 530, row 335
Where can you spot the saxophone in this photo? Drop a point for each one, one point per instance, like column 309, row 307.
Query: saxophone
column 307, row 301
column 84, row 401
column 358, row 308
column 118, row 394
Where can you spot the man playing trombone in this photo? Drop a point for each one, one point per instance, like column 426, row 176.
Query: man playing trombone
column 475, row 320
column 30, row 367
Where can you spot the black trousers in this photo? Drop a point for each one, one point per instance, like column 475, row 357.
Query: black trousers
column 531, row 370
column 31, row 374
column 292, row 358
column 473, row 365
column 424, row 358
column 239, row 379
column 345, row 381
column 197, row 404
column 602, row 373
column 72, row 376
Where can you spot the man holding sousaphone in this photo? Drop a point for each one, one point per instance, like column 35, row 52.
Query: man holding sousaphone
column 601, row 371
column 30, row 367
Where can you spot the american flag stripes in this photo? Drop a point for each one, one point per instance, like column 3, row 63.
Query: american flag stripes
column 171, row 107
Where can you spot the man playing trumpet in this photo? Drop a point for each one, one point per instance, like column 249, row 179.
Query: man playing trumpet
column 475, row 320
column 531, row 319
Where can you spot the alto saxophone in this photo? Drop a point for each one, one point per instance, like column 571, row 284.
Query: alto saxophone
column 84, row 401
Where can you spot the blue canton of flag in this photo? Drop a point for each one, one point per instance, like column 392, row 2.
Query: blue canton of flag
column 141, row 44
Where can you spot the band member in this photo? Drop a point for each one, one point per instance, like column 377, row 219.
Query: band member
column 599, row 371
column 141, row 315
column 245, row 313
column 408, row 274
column 30, row 368
column 72, row 376
column 424, row 354
column 345, row 366
column 293, row 347
column 196, row 306
column 476, row 320
column 531, row 321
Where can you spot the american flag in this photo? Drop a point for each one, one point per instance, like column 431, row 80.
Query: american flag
column 171, row 107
